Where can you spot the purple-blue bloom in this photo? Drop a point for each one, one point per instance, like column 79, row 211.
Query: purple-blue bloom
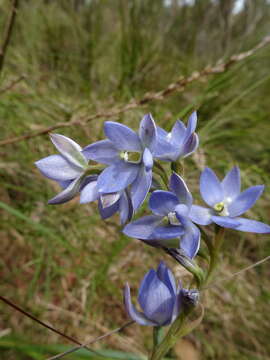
column 159, row 298
column 170, row 220
column 129, row 156
column 227, row 202
column 180, row 142
column 69, row 169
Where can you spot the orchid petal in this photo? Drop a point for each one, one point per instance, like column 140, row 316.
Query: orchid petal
column 182, row 210
column 177, row 303
column 69, row 149
column 252, row 226
column 180, row 189
column 232, row 184
column 210, row 187
column 245, row 200
column 200, row 215
column 117, row 176
column 147, row 159
column 162, row 202
column 144, row 286
column 178, row 133
column 143, row 227
column 167, row 232
column 166, row 151
column 226, row 221
column 89, row 193
column 148, row 132
column 190, row 145
column 140, row 187
column 135, row 315
column 64, row 184
column 161, row 133
column 159, row 307
column 190, row 242
column 56, row 167
column 122, row 136
column 102, row 151
column 68, row 193
column 125, row 208
column 192, row 123
column 165, row 275
column 109, row 211
column 109, row 199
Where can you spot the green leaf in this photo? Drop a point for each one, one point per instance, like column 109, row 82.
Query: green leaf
column 40, row 351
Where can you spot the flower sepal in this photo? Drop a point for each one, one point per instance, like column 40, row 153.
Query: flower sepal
column 187, row 263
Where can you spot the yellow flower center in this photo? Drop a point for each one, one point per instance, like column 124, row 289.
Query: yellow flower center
column 219, row 207
column 133, row 157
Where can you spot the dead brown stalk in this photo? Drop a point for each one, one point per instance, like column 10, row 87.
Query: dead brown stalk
column 178, row 85
column 8, row 31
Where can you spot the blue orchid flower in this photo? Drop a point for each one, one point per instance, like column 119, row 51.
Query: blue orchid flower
column 69, row 169
column 129, row 156
column 160, row 300
column 170, row 220
column 180, row 142
column 227, row 202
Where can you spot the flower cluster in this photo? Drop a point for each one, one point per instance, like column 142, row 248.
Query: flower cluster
column 122, row 169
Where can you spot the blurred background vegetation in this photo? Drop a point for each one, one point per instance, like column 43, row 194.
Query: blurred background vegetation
column 63, row 263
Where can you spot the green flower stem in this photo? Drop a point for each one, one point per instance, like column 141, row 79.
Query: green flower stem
column 178, row 328
column 158, row 169
column 157, row 335
column 94, row 169
column 177, row 167
column 173, row 335
column 206, row 239
column 214, row 253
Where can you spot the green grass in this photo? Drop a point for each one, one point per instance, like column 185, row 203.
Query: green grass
column 63, row 263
